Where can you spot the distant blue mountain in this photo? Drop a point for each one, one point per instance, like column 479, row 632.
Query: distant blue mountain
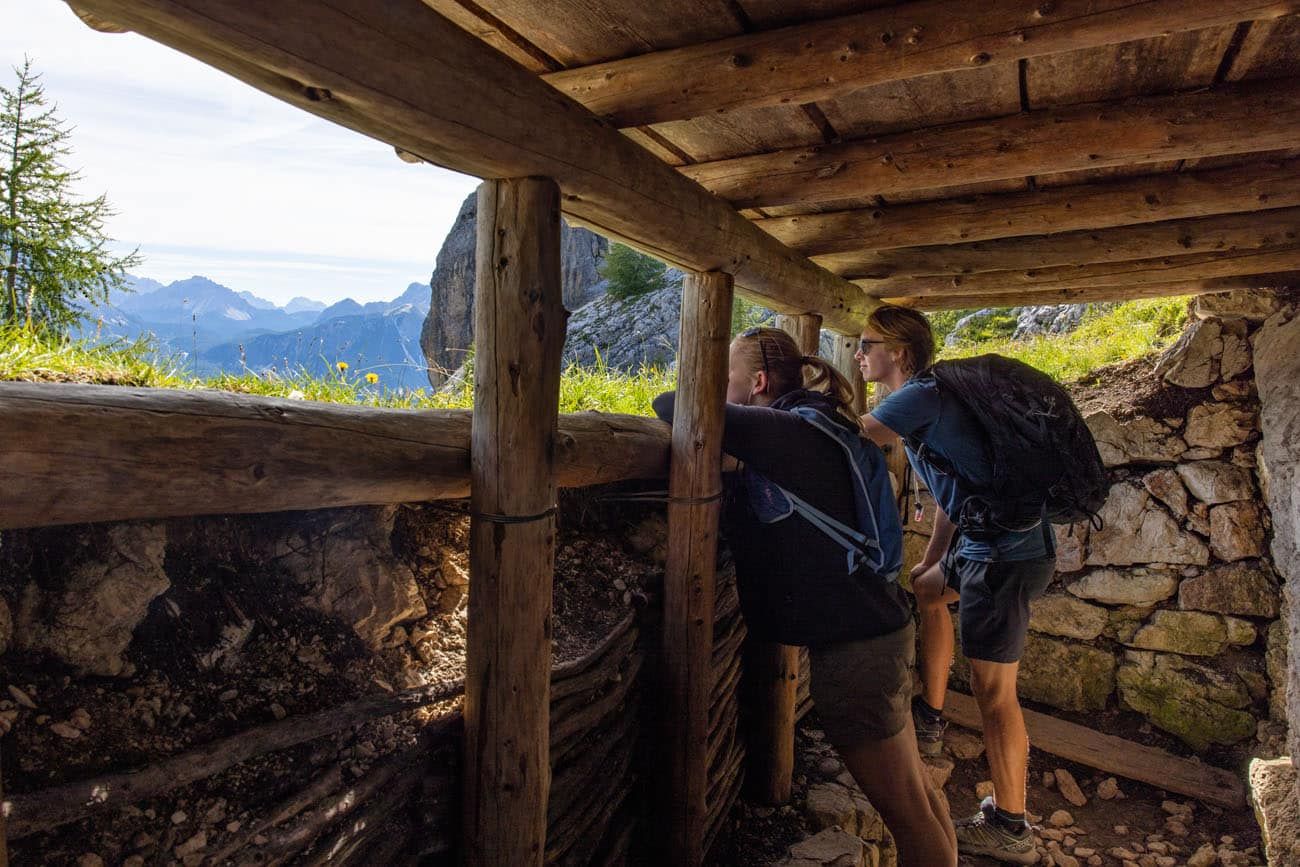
column 302, row 305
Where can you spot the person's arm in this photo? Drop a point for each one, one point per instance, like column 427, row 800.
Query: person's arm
column 940, row 538
column 777, row 444
column 876, row 431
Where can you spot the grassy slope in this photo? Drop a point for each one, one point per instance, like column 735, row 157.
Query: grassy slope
column 1108, row 335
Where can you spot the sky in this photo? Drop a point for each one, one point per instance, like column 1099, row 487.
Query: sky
column 210, row 176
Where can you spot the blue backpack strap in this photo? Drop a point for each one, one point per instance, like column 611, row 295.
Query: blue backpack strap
column 873, row 499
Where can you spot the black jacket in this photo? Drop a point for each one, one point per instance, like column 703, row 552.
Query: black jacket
column 793, row 585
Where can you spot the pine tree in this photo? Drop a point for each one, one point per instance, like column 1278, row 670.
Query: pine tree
column 631, row 274
column 53, row 250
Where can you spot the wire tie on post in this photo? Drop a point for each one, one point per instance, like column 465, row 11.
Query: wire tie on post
column 513, row 519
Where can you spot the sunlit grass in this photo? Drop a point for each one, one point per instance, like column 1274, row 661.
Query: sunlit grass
column 39, row 356
column 1107, row 335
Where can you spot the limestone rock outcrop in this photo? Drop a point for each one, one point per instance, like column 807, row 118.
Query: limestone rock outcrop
column 448, row 331
column 344, row 562
column 88, row 616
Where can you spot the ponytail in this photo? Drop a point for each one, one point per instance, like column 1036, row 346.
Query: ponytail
column 827, row 378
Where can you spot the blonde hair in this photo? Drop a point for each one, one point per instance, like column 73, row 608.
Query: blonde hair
column 774, row 352
column 910, row 330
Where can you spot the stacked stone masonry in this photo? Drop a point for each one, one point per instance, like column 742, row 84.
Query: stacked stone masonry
column 1174, row 608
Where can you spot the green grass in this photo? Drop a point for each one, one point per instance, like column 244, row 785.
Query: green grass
column 40, row 356
column 1108, row 335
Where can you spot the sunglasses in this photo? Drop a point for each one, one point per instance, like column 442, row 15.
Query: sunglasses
column 864, row 345
column 757, row 332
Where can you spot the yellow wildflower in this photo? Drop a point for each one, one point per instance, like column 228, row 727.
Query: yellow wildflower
column 372, row 378
column 342, row 366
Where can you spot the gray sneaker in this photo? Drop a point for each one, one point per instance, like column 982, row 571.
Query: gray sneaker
column 929, row 735
column 982, row 835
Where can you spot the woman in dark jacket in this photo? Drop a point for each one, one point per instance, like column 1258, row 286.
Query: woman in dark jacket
column 795, row 587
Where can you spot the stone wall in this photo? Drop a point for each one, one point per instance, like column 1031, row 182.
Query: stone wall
column 1173, row 610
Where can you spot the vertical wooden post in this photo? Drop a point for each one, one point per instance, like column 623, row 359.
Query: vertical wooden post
column 773, row 669
column 806, row 330
column 845, row 363
column 519, row 330
column 694, row 486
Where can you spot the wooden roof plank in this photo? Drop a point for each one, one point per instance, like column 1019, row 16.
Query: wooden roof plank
column 1191, row 268
column 1094, row 295
column 1086, row 206
column 1251, row 230
column 1239, row 119
column 401, row 73
column 826, row 59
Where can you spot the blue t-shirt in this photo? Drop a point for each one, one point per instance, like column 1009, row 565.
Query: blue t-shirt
column 922, row 411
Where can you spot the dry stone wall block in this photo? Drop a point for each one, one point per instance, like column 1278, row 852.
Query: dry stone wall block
column 1136, row 530
column 1194, row 633
column 1254, row 305
column 1218, row 425
column 1244, row 588
column 1142, row 586
column 1195, row 703
column 830, row 848
column 829, row 805
column 1071, row 546
column 1065, row 674
column 1067, row 617
column 1140, row 440
column 1193, row 361
column 1214, row 482
column 1277, row 376
column 1234, row 359
column 88, row 622
column 1275, row 663
column 1272, row 794
column 1241, row 633
column 1166, row 486
column 1237, row 531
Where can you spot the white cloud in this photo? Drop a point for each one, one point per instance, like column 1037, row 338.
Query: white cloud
column 198, row 162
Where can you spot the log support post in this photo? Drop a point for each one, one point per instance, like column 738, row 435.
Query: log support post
column 519, row 325
column 773, row 669
column 845, row 362
column 694, row 488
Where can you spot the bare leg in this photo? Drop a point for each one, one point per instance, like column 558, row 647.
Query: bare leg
column 890, row 775
column 1005, row 739
column 932, row 598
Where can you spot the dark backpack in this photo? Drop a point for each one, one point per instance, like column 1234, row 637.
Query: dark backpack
column 1044, row 460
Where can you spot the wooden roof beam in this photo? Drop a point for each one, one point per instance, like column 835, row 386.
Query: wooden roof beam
column 1170, row 269
column 1098, row 294
column 1098, row 205
column 1239, row 119
column 827, row 59
column 1256, row 230
column 401, row 73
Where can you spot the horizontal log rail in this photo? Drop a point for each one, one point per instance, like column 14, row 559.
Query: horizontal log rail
column 1221, row 233
column 1243, row 118
column 1098, row 205
column 400, row 73
column 1170, row 269
column 831, row 58
column 76, row 453
column 963, row 301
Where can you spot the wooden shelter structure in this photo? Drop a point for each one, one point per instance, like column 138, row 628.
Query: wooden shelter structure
column 817, row 156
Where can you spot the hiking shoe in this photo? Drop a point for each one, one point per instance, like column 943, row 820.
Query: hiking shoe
column 981, row 834
column 929, row 735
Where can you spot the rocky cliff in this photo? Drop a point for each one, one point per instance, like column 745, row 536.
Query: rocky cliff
column 449, row 328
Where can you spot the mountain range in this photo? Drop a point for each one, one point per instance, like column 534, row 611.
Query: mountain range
column 214, row 329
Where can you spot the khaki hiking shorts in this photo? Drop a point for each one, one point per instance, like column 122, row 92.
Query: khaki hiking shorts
column 863, row 689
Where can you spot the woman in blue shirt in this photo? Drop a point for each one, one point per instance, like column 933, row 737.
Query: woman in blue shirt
column 991, row 579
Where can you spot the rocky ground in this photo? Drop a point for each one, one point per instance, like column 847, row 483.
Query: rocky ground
column 1084, row 817
column 224, row 650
